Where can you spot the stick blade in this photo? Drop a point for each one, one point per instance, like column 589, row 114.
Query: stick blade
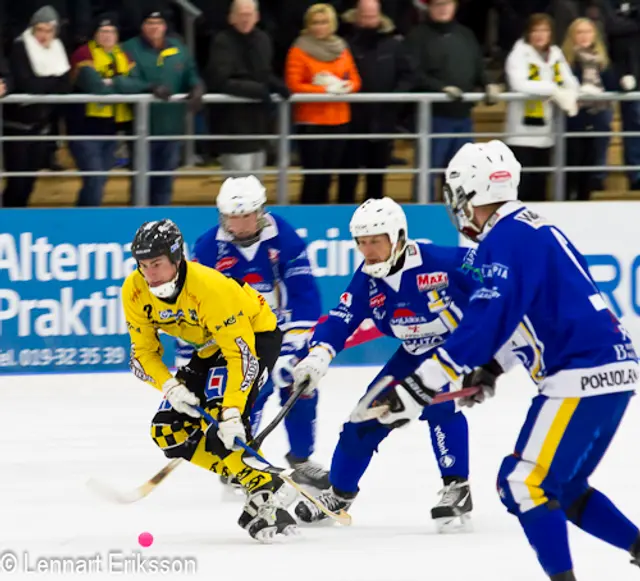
column 111, row 494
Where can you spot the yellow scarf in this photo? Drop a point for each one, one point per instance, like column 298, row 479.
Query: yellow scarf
column 107, row 66
column 534, row 110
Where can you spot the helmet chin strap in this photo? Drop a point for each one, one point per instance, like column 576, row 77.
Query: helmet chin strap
column 382, row 269
column 166, row 290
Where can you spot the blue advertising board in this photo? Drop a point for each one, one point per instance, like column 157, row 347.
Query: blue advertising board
column 61, row 271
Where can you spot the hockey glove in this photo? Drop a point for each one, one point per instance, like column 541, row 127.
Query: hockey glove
column 180, row 398
column 483, row 377
column 406, row 401
column 230, row 428
column 312, row 369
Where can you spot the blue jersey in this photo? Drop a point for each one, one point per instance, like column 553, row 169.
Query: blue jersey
column 420, row 304
column 276, row 266
column 535, row 297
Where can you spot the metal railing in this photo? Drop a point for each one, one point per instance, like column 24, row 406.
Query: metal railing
column 423, row 136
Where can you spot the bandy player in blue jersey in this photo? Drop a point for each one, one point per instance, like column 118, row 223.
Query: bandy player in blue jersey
column 414, row 292
column 263, row 250
column 529, row 276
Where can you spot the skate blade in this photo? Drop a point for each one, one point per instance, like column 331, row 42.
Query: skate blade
column 270, row 535
column 454, row 524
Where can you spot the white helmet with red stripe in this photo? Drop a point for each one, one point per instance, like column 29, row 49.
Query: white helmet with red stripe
column 480, row 174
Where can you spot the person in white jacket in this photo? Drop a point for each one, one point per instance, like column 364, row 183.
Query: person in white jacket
column 538, row 68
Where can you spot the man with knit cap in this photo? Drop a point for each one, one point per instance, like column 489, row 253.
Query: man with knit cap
column 166, row 65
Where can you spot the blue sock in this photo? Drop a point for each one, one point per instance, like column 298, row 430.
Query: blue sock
column 300, row 424
column 353, row 453
column 546, row 530
column 602, row 519
column 450, row 441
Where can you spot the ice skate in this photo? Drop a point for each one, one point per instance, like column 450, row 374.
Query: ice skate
column 309, row 513
column 453, row 512
column 635, row 553
column 264, row 515
column 309, row 474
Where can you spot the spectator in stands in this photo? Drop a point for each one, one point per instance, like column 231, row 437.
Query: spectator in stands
column 384, row 67
column 100, row 67
column 38, row 65
column 165, row 64
column 587, row 55
column 400, row 12
column 449, row 60
column 321, row 62
column 622, row 26
column 538, row 68
column 240, row 64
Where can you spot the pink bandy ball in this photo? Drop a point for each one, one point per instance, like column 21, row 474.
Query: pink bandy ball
column 145, row 539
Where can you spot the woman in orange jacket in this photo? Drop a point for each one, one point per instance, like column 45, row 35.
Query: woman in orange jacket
column 320, row 62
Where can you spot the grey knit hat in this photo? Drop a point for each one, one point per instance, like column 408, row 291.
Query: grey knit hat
column 45, row 15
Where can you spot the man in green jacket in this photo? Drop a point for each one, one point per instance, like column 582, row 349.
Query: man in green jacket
column 165, row 63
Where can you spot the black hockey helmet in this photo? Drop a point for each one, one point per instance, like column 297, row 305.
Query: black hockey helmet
column 158, row 238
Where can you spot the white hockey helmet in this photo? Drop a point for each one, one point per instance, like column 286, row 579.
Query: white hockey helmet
column 381, row 216
column 479, row 174
column 241, row 197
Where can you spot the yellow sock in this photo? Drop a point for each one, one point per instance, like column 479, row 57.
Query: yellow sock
column 207, row 460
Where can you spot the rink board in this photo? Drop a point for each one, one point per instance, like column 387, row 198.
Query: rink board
column 61, row 271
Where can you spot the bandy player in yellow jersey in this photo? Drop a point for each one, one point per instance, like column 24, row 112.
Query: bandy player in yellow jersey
column 237, row 342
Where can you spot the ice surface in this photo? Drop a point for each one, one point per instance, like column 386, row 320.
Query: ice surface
column 58, row 431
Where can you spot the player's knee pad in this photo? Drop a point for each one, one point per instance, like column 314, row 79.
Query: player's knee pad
column 358, row 439
column 505, row 490
column 176, row 439
column 574, row 505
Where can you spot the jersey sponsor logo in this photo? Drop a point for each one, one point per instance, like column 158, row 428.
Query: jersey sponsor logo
column 609, row 379
column 485, row 294
column 408, row 326
column 432, row 280
column 532, row 219
column 377, row 301
column 298, row 271
column 346, row 316
column 136, row 367
column 273, row 254
column 256, row 281
column 250, row 364
column 216, row 383
column 346, row 299
column 226, row 263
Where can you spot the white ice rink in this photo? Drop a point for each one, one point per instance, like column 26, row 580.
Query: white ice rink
column 58, row 431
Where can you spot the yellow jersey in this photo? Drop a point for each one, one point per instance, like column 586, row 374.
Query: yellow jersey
column 212, row 312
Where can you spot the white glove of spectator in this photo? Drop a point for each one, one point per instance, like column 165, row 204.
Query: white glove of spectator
column 589, row 89
column 312, row 369
column 325, row 79
column 491, row 93
column 180, row 398
column 628, row 83
column 567, row 100
column 231, row 427
column 454, row 93
column 339, row 88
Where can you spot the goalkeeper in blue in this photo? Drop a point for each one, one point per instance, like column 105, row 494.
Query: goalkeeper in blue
column 264, row 251
column 532, row 281
column 413, row 292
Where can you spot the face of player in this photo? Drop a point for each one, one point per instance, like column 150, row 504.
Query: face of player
column 242, row 227
column 584, row 35
column 375, row 249
column 540, row 37
column 158, row 271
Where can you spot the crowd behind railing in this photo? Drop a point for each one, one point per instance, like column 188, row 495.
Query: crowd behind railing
column 270, row 52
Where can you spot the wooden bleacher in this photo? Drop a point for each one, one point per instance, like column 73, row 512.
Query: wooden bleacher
column 189, row 190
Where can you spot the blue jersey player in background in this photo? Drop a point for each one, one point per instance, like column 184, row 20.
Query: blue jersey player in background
column 414, row 292
column 260, row 248
column 530, row 278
